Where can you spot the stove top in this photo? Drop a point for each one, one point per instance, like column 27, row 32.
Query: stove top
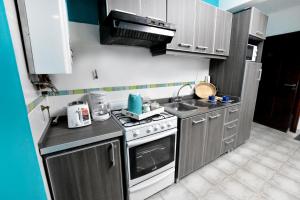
column 129, row 122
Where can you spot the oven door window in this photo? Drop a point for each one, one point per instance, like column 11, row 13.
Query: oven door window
column 151, row 156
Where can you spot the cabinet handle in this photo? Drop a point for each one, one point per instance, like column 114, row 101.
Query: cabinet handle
column 259, row 33
column 231, row 127
column 214, row 117
column 229, row 141
column 259, row 75
column 199, row 121
column 201, row 47
column 112, row 154
column 233, row 111
column 185, row 45
column 290, row 85
column 220, row 50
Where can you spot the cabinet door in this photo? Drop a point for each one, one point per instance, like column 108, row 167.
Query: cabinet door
column 223, row 32
column 258, row 23
column 192, row 133
column 249, row 93
column 204, row 27
column 214, row 135
column 154, row 9
column 133, row 6
column 89, row 173
column 182, row 13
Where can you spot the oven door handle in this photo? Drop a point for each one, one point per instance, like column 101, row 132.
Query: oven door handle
column 151, row 138
column 151, row 181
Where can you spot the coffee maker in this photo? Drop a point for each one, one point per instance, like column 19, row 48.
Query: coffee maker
column 100, row 109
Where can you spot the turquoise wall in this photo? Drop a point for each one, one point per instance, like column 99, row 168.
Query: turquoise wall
column 213, row 2
column 20, row 177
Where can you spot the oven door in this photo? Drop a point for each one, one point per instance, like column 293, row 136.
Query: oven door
column 151, row 155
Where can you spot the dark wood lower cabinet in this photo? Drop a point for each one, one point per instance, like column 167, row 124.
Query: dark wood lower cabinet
column 89, row 173
column 191, row 144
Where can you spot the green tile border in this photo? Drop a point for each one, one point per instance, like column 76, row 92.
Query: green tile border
column 31, row 106
column 37, row 101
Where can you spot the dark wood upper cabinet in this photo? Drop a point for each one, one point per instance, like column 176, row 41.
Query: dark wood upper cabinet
column 89, row 173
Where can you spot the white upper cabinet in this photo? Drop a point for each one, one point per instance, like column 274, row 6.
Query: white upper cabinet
column 46, row 36
column 258, row 23
column 132, row 6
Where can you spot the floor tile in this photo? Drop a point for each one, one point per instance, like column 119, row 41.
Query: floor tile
column 155, row 197
column 225, row 165
column 255, row 147
column 212, row 174
column 235, row 189
column 216, row 194
column 243, row 151
column 246, row 178
column 236, row 158
column 288, row 185
column 258, row 197
column 276, row 155
column 290, row 172
column 271, row 192
column 259, row 170
column 178, row 192
column 196, row 184
column 261, row 142
column 294, row 162
column 268, row 162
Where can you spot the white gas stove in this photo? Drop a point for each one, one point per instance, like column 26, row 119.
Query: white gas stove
column 150, row 147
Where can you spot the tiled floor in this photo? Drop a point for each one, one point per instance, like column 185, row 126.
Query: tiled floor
column 267, row 167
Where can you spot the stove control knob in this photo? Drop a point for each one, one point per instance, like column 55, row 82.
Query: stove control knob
column 149, row 130
column 156, row 128
column 163, row 126
column 135, row 133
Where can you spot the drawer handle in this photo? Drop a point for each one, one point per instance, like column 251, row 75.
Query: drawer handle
column 259, row 33
column 214, row 117
column 201, row 47
column 229, row 141
column 112, row 154
column 231, row 127
column 199, row 121
column 220, row 50
column 233, row 111
column 185, row 45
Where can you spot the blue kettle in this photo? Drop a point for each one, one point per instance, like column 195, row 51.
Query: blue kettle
column 135, row 104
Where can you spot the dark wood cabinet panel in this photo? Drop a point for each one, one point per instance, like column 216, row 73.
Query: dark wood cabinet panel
column 192, row 133
column 214, row 135
column 90, row 173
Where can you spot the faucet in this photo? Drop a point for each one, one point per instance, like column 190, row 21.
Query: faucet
column 177, row 98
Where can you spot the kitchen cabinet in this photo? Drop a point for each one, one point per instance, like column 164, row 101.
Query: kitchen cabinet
column 182, row 13
column 214, row 135
column 252, row 76
column 154, row 9
column 204, row 27
column 191, row 144
column 44, row 26
column 258, row 23
column 222, row 32
column 132, row 6
column 92, row 172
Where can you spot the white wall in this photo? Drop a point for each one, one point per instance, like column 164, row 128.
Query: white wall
column 36, row 120
column 122, row 66
column 284, row 21
column 230, row 4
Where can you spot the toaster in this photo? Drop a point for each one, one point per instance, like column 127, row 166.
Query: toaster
column 78, row 114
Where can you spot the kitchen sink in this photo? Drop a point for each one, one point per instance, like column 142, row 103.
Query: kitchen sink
column 181, row 107
column 197, row 103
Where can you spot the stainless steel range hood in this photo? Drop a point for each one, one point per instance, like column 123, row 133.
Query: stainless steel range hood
column 129, row 29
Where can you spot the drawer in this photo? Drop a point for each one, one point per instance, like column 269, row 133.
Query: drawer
column 232, row 113
column 228, row 144
column 230, row 129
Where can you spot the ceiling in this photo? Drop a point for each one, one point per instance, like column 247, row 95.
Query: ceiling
column 267, row 6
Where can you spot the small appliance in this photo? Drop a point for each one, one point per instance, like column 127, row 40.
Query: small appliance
column 251, row 52
column 100, row 109
column 123, row 28
column 78, row 114
column 135, row 104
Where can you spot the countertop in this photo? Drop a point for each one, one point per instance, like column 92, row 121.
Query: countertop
column 60, row 137
column 200, row 110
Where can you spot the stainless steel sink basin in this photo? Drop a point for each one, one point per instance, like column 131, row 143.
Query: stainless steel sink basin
column 196, row 103
column 181, row 107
